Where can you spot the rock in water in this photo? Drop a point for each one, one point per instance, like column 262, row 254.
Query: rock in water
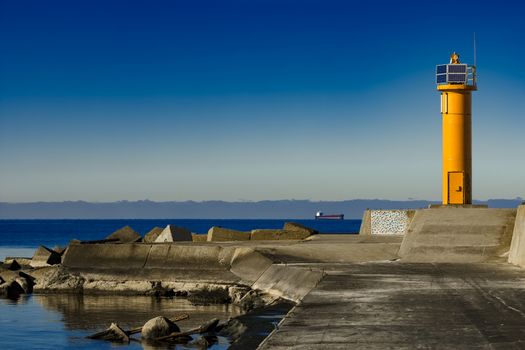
column 174, row 234
column 11, row 290
column 152, row 235
column 158, row 327
column 125, row 235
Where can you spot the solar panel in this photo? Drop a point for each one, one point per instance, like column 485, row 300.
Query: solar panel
column 457, row 68
column 441, row 69
column 441, row 78
column 457, row 78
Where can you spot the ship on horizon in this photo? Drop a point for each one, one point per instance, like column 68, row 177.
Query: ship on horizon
column 320, row 216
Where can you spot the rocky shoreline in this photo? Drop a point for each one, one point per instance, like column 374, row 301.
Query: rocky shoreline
column 124, row 263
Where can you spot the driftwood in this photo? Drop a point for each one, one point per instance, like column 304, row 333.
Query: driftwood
column 114, row 333
column 117, row 334
column 204, row 328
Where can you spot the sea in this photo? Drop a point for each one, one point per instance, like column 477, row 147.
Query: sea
column 56, row 321
column 22, row 237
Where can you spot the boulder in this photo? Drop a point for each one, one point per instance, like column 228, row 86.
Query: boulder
column 125, row 235
column 158, row 327
column 152, row 235
column 11, row 289
column 45, row 257
column 221, row 234
column 25, row 284
column 265, row 234
column 198, row 238
column 297, row 231
column 173, row 234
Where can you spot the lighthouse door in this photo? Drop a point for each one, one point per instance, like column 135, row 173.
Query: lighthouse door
column 456, row 187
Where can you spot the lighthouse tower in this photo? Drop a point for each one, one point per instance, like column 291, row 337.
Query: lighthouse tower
column 456, row 81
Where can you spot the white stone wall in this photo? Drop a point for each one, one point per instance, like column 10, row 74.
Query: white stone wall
column 389, row 222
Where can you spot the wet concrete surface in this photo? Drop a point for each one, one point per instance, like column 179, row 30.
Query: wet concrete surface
column 394, row 305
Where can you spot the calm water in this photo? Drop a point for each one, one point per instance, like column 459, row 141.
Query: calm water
column 63, row 321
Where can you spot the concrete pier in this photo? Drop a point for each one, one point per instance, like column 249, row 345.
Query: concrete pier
column 409, row 306
column 448, row 283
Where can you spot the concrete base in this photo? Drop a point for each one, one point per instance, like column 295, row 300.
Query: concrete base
column 450, row 234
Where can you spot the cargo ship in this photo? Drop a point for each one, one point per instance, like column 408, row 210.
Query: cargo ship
column 320, row 216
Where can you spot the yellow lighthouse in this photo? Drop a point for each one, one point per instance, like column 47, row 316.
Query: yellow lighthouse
column 456, row 82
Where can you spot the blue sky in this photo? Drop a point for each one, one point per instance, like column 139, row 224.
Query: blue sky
column 250, row 100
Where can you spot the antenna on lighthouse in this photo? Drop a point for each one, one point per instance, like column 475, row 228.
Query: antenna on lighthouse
column 475, row 65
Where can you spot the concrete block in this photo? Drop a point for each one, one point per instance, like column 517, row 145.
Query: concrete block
column 517, row 247
column 288, row 282
column 265, row 234
column 221, row 234
column 198, row 238
column 390, row 222
column 60, row 250
column 366, row 227
column 45, row 257
column 458, row 235
column 21, row 261
column 152, row 235
column 125, row 235
column 174, row 234
column 249, row 264
column 13, row 265
column 295, row 227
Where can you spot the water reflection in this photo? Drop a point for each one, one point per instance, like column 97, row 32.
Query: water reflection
column 90, row 312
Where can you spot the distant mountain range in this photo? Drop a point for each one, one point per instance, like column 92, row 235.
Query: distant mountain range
column 268, row 209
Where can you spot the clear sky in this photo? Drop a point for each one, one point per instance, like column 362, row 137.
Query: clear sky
column 104, row 100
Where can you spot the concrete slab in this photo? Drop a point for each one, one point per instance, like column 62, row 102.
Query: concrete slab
column 249, row 265
column 407, row 306
column 106, row 256
column 289, row 282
